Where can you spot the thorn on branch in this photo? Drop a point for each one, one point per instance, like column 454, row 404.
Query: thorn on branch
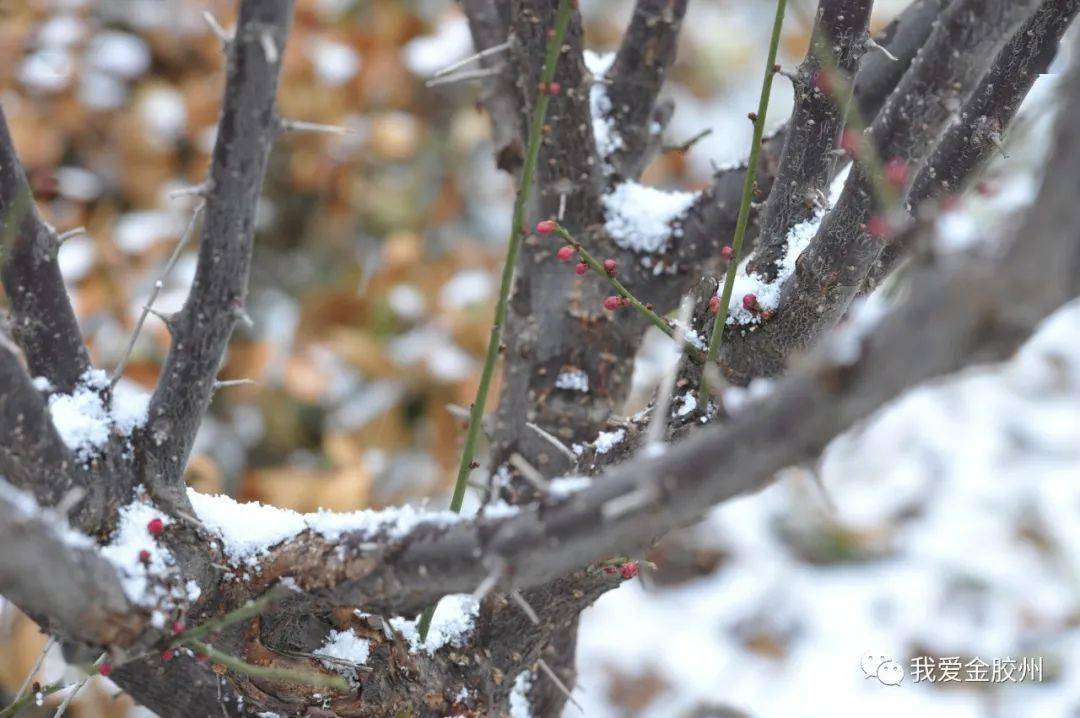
column 302, row 126
column 530, row 473
column 684, row 147
column 215, row 27
column 558, row 683
column 524, row 606
column 466, row 76
column 871, row 44
column 553, row 440
column 199, row 190
column 493, row 50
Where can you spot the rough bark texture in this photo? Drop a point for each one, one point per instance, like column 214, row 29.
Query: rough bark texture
column 636, row 78
column 806, row 164
column 42, row 318
column 201, row 330
column 835, row 265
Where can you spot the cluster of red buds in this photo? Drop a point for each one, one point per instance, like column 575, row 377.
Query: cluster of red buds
column 627, row 570
column 553, row 88
column 569, row 252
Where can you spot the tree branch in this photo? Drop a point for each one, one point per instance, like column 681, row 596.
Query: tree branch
column 636, row 78
column 58, row 577
column 833, row 268
column 710, row 223
column 974, row 313
column 806, row 164
column 32, row 455
column 44, row 322
column 978, row 133
column 201, row 330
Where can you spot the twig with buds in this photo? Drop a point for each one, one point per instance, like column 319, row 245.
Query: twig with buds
column 607, row 270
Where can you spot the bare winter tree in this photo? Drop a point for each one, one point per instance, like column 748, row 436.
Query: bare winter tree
column 937, row 91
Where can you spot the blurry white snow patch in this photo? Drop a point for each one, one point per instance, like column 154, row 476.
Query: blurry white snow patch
column 164, row 114
column 639, row 218
column 118, row 53
column 574, row 380
column 433, row 346
column 145, row 582
column 47, row 70
column 344, row 648
column 83, row 420
column 844, row 343
column 78, row 183
column 61, row 30
column 519, row 696
column 406, row 301
column 566, row 485
column 608, row 440
column 466, row 288
column 102, row 91
column 768, row 293
column 136, row 231
column 608, row 139
column 249, row 530
column 335, row 63
column 454, row 620
column 427, row 54
column 76, row 257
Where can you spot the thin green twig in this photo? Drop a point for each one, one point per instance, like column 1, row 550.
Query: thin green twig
column 237, row 665
column 696, row 354
column 517, row 229
column 248, row 610
column 747, row 194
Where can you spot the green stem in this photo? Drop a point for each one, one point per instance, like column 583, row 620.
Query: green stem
column 248, row 610
column 517, row 229
column 598, row 267
column 31, row 695
column 747, row 194
column 269, row 672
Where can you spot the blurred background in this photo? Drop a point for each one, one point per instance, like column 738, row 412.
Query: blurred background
column 947, row 526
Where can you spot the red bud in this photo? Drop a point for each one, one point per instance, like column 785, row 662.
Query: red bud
column 565, row 254
column 155, row 526
column 545, row 226
column 609, row 266
column 581, row 268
